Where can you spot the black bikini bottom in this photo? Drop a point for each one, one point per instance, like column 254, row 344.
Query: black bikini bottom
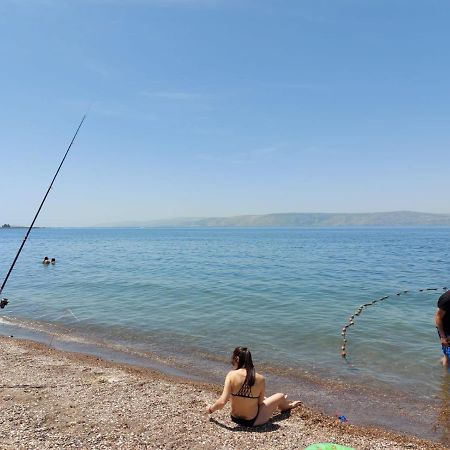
column 245, row 422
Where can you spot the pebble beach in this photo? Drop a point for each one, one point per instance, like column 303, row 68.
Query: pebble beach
column 53, row 399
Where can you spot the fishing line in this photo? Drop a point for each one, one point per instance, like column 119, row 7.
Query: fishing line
column 73, row 314
column 5, row 301
column 36, row 324
column 40, row 386
column 56, row 331
column 67, row 311
column 360, row 309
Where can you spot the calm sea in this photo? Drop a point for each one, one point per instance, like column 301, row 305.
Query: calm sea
column 194, row 294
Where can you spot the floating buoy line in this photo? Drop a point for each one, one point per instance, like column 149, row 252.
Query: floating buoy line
column 360, row 309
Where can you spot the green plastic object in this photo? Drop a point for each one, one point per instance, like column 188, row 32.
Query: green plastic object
column 328, row 446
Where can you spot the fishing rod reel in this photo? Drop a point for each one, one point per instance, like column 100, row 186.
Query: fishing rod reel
column 3, row 302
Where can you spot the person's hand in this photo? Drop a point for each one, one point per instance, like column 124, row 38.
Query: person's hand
column 444, row 341
column 208, row 410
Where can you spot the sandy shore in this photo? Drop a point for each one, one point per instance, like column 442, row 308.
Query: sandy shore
column 55, row 399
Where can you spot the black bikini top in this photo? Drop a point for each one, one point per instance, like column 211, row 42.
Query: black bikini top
column 245, row 391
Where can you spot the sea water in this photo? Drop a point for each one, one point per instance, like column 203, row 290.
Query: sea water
column 285, row 293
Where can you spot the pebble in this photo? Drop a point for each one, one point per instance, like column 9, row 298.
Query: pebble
column 144, row 410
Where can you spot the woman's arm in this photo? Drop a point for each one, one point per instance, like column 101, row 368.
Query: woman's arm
column 223, row 399
column 440, row 313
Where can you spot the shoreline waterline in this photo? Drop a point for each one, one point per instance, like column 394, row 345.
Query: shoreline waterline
column 57, row 399
column 363, row 405
column 183, row 287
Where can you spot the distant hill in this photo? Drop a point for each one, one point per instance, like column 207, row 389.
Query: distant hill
column 383, row 219
column 7, row 226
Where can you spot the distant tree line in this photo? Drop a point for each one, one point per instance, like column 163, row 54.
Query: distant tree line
column 6, row 225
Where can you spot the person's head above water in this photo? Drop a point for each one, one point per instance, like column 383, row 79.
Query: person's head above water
column 242, row 359
column 53, row 261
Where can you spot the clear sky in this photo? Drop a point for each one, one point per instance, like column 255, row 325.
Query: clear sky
column 223, row 107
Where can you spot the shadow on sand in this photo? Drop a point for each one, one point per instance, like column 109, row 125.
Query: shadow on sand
column 266, row 428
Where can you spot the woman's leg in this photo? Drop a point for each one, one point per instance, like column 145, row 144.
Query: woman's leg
column 271, row 404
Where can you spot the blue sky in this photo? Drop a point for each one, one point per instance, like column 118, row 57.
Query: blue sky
column 220, row 108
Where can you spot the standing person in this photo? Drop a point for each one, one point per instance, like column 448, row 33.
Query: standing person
column 247, row 389
column 442, row 320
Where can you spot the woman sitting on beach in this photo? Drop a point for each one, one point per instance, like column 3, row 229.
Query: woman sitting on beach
column 246, row 388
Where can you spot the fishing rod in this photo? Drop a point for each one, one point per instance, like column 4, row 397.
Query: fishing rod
column 360, row 309
column 4, row 301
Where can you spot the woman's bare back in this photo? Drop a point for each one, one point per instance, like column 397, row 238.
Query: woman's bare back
column 249, row 407
column 245, row 400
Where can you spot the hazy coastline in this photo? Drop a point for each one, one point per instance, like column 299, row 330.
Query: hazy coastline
column 372, row 219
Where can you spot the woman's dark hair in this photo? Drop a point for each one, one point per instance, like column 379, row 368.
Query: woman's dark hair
column 244, row 360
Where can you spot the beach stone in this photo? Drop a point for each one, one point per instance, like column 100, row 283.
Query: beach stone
column 137, row 408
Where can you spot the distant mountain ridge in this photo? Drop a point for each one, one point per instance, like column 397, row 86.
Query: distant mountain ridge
column 382, row 219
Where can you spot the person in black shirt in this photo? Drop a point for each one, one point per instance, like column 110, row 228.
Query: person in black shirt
column 442, row 320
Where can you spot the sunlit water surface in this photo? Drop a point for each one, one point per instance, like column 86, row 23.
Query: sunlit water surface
column 284, row 292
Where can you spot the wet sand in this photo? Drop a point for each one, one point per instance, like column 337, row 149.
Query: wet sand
column 55, row 399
